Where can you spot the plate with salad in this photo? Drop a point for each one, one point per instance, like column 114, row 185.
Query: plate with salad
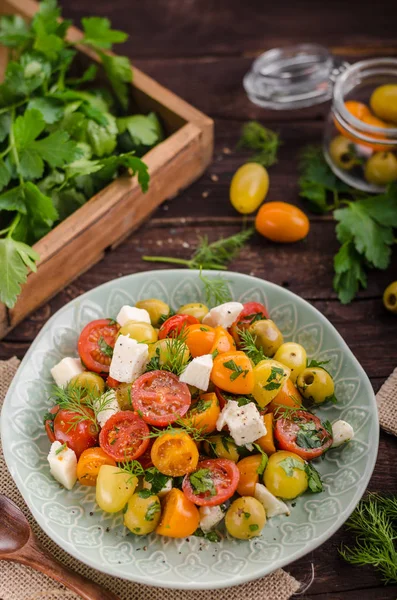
column 188, row 429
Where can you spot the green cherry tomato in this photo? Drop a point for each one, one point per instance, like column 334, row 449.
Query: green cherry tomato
column 249, row 187
column 267, row 336
column 384, row 102
column 139, row 331
column 245, row 518
column 390, row 297
column 114, row 488
column 381, row 168
column 123, row 395
column 340, row 150
column 316, row 385
column 194, row 309
column 90, row 381
column 156, row 309
column 221, row 446
column 285, row 475
column 293, row 356
column 143, row 513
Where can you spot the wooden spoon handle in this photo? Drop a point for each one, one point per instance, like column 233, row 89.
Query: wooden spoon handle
column 38, row 559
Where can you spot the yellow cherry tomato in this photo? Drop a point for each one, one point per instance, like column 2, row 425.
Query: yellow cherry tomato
column 143, row 513
column 384, row 102
column 174, row 453
column 114, row 488
column 266, row 442
column 294, row 356
column 249, row 187
column 90, row 461
column 232, row 372
column 221, row 446
column 156, row 308
column 285, row 475
column 199, row 339
column 180, row 517
column 282, row 222
column 194, row 309
column 245, row 518
column 89, row 381
column 249, row 474
column 269, row 377
column 223, row 341
column 203, row 413
column 139, row 331
column 390, row 297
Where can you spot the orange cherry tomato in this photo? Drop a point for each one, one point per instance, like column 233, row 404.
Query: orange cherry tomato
column 180, row 517
column 232, row 372
column 288, row 396
column 363, row 113
column 223, row 341
column 174, row 453
column 282, row 222
column 249, row 475
column 357, row 109
column 203, row 413
column 266, row 442
column 90, row 461
column 199, row 339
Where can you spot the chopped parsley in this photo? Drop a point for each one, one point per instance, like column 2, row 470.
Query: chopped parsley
column 289, row 464
column 104, row 347
column 314, row 479
column 211, row 536
column 308, row 436
column 152, row 510
column 264, row 460
column 237, row 370
column 275, row 378
column 145, row 493
column 254, row 527
column 156, row 479
column 202, row 482
column 201, row 405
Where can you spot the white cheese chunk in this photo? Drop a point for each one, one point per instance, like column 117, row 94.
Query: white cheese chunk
column 223, row 315
column 108, row 400
column 129, row 359
column 164, row 490
column 342, row 432
column 63, row 465
column 132, row 313
column 272, row 505
column 198, row 372
column 244, row 422
column 210, row 517
column 65, row 370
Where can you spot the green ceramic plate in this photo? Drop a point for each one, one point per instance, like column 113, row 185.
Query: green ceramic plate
column 100, row 540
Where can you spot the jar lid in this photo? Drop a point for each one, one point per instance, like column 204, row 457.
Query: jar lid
column 293, row 77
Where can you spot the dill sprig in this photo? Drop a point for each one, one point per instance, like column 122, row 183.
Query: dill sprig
column 82, row 401
column 214, row 255
column 248, row 345
column 375, row 524
column 132, row 468
column 283, row 411
column 173, row 357
column 264, row 141
column 216, row 290
column 183, row 425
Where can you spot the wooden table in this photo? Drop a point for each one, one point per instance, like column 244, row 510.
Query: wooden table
column 201, row 49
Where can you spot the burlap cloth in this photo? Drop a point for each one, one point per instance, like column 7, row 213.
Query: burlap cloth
column 22, row 583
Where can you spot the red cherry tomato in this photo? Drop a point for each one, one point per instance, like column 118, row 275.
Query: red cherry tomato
column 111, row 382
column 96, row 343
column 252, row 311
column 124, row 436
column 302, row 434
column 219, row 475
column 49, row 422
column 174, row 325
column 78, row 434
column 160, row 398
column 146, row 459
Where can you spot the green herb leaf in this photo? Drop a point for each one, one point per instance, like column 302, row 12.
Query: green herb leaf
column 314, row 479
column 349, row 272
column 143, row 130
column 237, row 370
column 105, row 348
column 253, row 527
column 264, row 460
column 145, row 493
column 216, row 290
column 14, row 31
column 210, row 536
column 248, row 345
column 98, row 33
column 16, row 259
column 152, row 510
column 264, row 141
column 119, row 73
column 275, row 378
column 289, row 464
column 156, row 479
column 61, row 448
column 202, row 482
column 50, row 109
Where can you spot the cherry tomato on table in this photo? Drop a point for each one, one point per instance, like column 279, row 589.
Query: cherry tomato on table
column 303, row 434
column 90, row 461
column 160, row 398
column 96, row 343
column 76, row 433
column 175, row 324
column 214, row 481
column 252, row 311
column 282, row 222
column 249, row 187
column 124, row 436
column 180, row 517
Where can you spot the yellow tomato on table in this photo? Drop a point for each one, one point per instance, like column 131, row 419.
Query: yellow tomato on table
column 249, row 187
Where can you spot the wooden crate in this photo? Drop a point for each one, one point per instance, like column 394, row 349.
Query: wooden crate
column 106, row 219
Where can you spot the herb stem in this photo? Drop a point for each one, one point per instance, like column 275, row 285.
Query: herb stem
column 13, row 106
column 181, row 261
column 5, row 152
column 13, row 225
column 14, row 148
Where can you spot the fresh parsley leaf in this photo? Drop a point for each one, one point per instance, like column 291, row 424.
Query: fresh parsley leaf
column 119, row 73
column 89, row 75
column 264, row 460
column 105, row 348
column 98, row 33
column 202, row 482
column 328, row 427
column 5, row 177
column 16, row 259
column 312, row 363
column 314, row 479
column 264, row 141
column 210, row 536
column 14, row 31
column 253, row 527
column 157, row 480
column 275, row 378
column 152, row 510
column 308, row 436
column 145, row 493
column 143, row 130
column 237, row 370
column 50, row 108
column 289, row 464
column 349, row 272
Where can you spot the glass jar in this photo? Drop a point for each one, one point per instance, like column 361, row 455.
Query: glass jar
column 359, row 146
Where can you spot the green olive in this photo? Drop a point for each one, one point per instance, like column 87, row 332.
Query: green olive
column 293, row 356
column 267, row 336
column 245, row 518
column 384, row 102
column 156, row 309
column 143, row 513
column 390, row 297
column 194, row 309
column 123, row 396
column 90, row 381
column 381, row 168
column 340, row 150
column 163, row 349
column 141, row 332
column 221, row 446
column 316, row 384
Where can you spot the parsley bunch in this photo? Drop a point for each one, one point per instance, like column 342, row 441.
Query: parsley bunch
column 60, row 141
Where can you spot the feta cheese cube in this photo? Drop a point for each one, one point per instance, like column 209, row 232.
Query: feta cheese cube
column 63, row 464
column 244, row 422
column 342, row 432
column 129, row 359
column 109, row 401
column 210, row 517
column 132, row 313
column 272, row 505
column 65, row 370
column 198, row 372
column 164, row 490
column 223, row 315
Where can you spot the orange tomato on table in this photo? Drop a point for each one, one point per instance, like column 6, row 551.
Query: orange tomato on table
column 282, row 222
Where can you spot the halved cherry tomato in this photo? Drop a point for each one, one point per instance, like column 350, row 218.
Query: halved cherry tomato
column 179, row 516
column 266, row 442
column 175, row 324
column 76, row 431
column 252, row 311
column 288, row 397
column 223, row 342
column 199, row 339
column 90, row 461
column 219, row 476
column 249, row 475
column 49, row 422
column 145, row 459
column 303, row 434
column 125, row 436
column 203, row 413
column 96, row 343
column 111, row 382
column 232, row 372
column 160, row 398
column 282, row 222
column 174, row 453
